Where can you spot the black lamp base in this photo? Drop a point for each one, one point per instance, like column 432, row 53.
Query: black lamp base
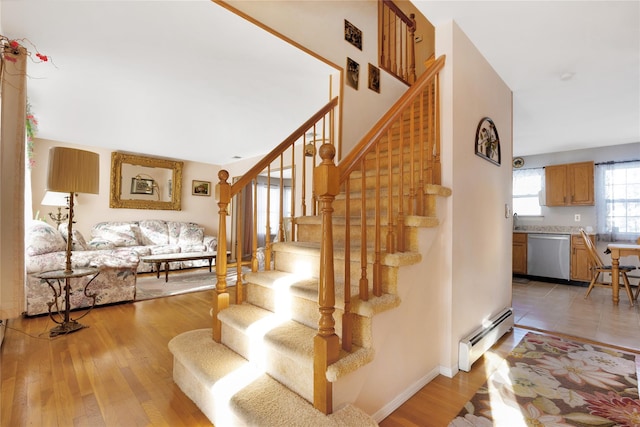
column 66, row 328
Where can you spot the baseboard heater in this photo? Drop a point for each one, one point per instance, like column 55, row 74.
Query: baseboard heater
column 474, row 346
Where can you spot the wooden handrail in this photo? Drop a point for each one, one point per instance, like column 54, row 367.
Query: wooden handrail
column 391, row 5
column 252, row 173
column 367, row 143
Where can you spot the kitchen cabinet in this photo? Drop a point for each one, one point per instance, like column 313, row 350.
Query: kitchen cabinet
column 580, row 265
column 519, row 252
column 569, row 184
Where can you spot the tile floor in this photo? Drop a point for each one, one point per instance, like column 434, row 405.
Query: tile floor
column 562, row 308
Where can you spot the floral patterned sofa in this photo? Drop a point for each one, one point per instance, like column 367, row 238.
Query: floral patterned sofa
column 151, row 237
column 115, row 248
column 45, row 250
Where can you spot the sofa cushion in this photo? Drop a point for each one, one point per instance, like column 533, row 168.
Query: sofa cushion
column 120, row 234
column 42, row 238
column 174, row 231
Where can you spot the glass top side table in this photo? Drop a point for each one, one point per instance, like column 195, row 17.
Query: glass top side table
column 60, row 282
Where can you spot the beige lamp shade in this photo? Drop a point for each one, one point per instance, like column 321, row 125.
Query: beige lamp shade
column 73, row 171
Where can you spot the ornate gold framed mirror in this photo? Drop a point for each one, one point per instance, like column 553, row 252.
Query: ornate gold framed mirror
column 139, row 182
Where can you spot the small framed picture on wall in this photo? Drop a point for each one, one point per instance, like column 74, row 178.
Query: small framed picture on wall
column 201, row 188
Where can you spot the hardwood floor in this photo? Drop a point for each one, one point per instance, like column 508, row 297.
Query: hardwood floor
column 118, row 372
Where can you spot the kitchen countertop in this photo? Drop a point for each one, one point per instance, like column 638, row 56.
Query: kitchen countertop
column 548, row 229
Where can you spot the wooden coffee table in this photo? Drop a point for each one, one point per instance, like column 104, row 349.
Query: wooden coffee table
column 175, row 257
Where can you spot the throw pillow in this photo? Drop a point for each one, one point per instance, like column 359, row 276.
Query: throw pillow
column 78, row 242
column 42, row 238
column 190, row 234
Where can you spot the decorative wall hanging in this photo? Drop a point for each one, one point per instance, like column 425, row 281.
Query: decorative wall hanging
column 488, row 141
column 201, row 188
column 353, row 73
column 352, row 34
column 374, row 78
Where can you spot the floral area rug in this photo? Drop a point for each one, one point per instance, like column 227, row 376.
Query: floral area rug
column 550, row 381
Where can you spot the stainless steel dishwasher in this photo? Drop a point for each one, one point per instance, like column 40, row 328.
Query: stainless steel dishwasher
column 548, row 255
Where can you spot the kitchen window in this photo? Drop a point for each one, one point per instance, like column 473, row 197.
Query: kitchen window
column 618, row 200
column 527, row 185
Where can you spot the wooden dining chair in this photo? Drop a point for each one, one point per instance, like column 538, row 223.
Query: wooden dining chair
column 598, row 267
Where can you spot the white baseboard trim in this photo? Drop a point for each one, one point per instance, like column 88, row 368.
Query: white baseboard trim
column 387, row 409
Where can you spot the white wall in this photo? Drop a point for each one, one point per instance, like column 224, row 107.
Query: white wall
column 92, row 208
column 480, row 242
column 319, row 27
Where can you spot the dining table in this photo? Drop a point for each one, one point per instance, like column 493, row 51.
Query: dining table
column 619, row 250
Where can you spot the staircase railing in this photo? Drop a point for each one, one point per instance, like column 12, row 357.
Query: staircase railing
column 403, row 148
column 397, row 42
column 281, row 174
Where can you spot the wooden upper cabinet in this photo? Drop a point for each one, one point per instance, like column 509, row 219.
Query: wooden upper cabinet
column 570, row 184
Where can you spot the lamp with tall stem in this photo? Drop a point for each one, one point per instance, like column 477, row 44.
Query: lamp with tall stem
column 72, row 171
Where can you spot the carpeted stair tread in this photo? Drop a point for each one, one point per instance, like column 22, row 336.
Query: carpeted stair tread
column 257, row 401
column 308, row 289
column 267, row 403
column 202, row 355
column 289, row 337
column 409, row 221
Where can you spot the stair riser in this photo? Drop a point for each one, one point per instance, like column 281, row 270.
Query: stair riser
column 355, row 205
column 312, row 233
column 291, row 264
column 371, row 182
column 306, row 312
column 292, row 373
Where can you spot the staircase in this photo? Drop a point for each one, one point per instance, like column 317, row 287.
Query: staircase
column 263, row 370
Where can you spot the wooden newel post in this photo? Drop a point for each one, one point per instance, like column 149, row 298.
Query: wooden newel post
column 221, row 297
column 326, row 342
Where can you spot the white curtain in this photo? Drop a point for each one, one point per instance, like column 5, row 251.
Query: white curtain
column 13, row 72
column 617, row 187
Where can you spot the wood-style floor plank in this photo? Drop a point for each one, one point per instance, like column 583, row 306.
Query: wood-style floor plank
column 116, row 372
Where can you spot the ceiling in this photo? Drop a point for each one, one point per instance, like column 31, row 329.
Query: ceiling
column 172, row 78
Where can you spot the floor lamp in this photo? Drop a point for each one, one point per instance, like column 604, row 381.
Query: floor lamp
column 70, row 171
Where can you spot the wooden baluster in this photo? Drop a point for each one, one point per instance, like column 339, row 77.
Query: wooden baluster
column 304, row 175
column 293, row 193
column 221, row 296
column 347, row 317
column 377, row 285
column 430, row 133
column 412, row 160
column 326, row 342
column 267, row 244
column 395, row 46
column 412, row 49
column 400, row 216
column 388, row 31
column 364, row 282
column 254, row 213
column 422, row 146
column 239, row 235
column 391, row 238
column 281, row 204
column 438, row 173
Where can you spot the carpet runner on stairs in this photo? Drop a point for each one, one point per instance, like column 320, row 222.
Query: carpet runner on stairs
column 231, row 391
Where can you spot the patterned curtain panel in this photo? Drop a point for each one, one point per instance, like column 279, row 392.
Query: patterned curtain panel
column 13, row 97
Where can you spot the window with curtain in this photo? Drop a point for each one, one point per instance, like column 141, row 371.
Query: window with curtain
column 527, row 185
column 618, row 200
